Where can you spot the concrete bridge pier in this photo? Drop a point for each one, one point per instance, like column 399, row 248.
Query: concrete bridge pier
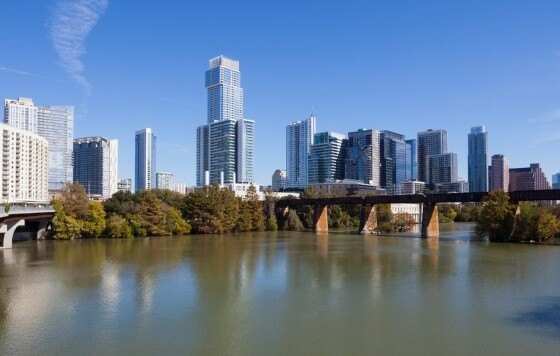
column 321, row 218
column 368, row 220
column 430, row 220
column 42, row 229
column 8, row 228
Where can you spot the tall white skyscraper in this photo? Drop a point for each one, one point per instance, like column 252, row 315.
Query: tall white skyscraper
column 225, row 145
column 225, row 95
column 95, row 165
column 299, row 138
column 56, row 124
column 21, row 113
column 145, row 160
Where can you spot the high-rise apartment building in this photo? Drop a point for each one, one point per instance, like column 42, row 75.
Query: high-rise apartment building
column 528, row 178
column 278, row 180
column 431, row 142
column 21, row 113
column 478, row 165
column 326, row 157
column 225, row 145
column 498, row 173
column 442, row 168
column 25, row 162
column 299, row 137
column 165, row 180
column 96, row 164
column 393, row 152
column 362, row 158
column 56, row 124
column 145, row 160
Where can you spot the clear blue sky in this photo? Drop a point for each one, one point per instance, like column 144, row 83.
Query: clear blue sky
column 404, row 66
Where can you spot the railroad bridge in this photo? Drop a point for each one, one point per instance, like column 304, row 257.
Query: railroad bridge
column 428, row 202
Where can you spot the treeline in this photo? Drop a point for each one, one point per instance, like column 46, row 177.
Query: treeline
column 158, row 212
column 501, row 220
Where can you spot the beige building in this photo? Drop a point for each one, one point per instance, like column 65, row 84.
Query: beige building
column 25, row 163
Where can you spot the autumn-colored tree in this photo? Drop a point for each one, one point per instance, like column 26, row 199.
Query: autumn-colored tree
column 496, row 217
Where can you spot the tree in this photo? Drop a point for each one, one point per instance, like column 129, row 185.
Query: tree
column 74, row 199
column 403, row 222
column 211, row 210
column 255, row 209
column 121, row 203
column 496, row 217
column 65, row 226
column 118, row 227
column 94, row 223
column 174, row 222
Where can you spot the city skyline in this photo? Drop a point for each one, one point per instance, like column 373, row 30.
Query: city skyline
column 466, row 66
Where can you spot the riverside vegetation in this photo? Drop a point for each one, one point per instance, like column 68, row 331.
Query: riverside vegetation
column 215, row 210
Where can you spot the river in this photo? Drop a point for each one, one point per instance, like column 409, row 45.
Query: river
column 281, row 293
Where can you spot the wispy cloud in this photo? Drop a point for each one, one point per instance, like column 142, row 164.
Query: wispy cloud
column 72, row 21
column 22, row 72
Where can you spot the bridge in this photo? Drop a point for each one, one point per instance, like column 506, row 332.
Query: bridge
column 430, row 222
column 36, row 218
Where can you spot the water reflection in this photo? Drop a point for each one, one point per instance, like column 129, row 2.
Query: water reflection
column 281, row 291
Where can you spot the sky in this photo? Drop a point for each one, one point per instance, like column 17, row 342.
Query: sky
column 403, row 66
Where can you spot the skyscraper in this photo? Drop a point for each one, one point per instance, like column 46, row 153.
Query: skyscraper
column 145, row 160
column 326, row 157
column 21, row 113
column 393, row 150
column 56, row 124
column 362, row 158
column 299, row 137
column 24, row 173
column 442, row 168
column 278, row 180
column 245, row 151
column 478, row 165
column 225, row 145
column 498, row 173
column 225, row 95
column 431, row 142
column 96, row 164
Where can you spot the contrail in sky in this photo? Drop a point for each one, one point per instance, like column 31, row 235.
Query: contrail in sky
column 72, row 21
column 22, row 72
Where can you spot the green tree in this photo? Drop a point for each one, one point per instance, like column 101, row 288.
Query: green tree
column 121, row 203
column 271, row 223
column 447, row 213
column 118, row 227
column 244, row 222
column 385, row 222
column 94, row 223
column 175, row 224
column 65, row 226
column 211, row 210
column 496, row 217
column 292, row 221
column 152, row 212
column 256, row 209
